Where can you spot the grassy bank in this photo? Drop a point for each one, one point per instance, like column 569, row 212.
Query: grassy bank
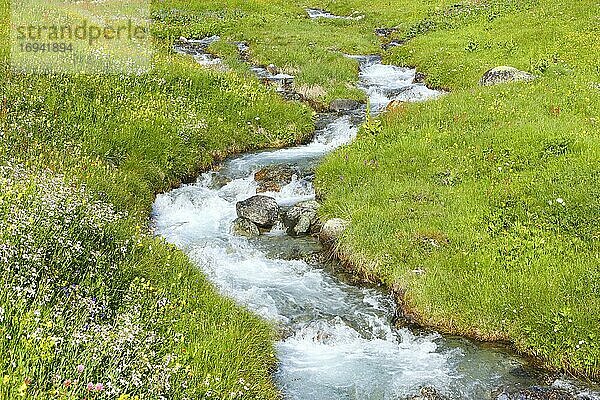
column 482, row 206
column 91, row 305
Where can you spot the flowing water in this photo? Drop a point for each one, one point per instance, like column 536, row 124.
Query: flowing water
column 339, row 341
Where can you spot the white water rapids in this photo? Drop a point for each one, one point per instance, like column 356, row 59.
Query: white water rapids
column 340, row 341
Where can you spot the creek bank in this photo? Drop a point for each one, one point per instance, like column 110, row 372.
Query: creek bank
column 322, row 334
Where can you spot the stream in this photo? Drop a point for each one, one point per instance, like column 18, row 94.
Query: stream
column 339, row 341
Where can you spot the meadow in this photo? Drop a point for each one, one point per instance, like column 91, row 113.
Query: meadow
column 91, row 304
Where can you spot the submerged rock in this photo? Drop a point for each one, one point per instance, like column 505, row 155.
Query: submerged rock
column 285, row 247
column 504, row 74
column 340, row 105
column 429, row 393
column 245, row 227
column 332, row 230
column 272, row 178
column 302, row 218
column 538, row 393
column 261, row 210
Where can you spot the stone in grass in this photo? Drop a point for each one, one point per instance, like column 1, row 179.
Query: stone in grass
column 504, row 74
column 245, row 227
column 332, row 230
column 261, row 210
column 302, row 218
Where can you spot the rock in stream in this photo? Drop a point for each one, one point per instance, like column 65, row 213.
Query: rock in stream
column 261, row 210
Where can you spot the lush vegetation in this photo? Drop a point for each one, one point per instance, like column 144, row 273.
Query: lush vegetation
column 91, row 305
column 482, row 207
column 492, row 192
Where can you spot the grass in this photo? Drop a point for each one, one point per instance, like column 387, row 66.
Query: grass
column 91, row 304
column 492, row 192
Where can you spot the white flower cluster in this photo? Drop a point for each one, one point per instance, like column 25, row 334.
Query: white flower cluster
column 68, row 300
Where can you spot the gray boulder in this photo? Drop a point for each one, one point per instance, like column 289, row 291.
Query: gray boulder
column 332, row 230
column 273, row 177
column 245, row 227
column 302, row 218
column 504, row 74
column 261, row 210
column 340, row 105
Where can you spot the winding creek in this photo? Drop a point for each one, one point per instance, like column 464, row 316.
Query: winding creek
column 339, row 341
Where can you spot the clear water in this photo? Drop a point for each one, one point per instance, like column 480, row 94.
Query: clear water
column 339, row 340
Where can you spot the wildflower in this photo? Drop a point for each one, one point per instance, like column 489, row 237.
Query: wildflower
column 80, row 368
column 560, row 201
column 67, row 383
column 99, row 387
column 90, row 386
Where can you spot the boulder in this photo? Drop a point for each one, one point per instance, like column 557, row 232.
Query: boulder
column 245, row 227
column 340, row 105
column 302, row 218
column 272, row 178
column 332, row 230
column 261, row 210
column 504, row 74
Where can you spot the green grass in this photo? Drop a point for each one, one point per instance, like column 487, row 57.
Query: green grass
column 83, row 282
column 465, row 188
column 477, row 173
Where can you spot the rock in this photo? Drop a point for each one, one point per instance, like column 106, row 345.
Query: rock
column 504, row 74
column 395, row 105
column 383, row 32
column 245, row 227
column 285, row 247
column 302, row 218
column 429, row 393
column 340, row 105
column 272, row 69
column 218, row 181
column 273, row 177
column 261, row 210
column 332, row 230
column 538, row 393
column 419, row 77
